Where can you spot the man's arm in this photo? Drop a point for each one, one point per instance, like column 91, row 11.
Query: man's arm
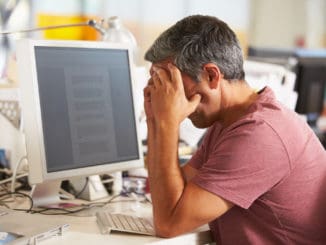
column 178, row 206
column 188, row 172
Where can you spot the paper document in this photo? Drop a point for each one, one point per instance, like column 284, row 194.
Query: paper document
column 24, row 228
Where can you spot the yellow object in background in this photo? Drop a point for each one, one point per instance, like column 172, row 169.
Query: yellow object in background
column 67, row 33
column 243, row 40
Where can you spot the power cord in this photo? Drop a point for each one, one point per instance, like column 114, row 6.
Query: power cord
column 13, row 180
column 66, row 211
column 10, row 179
column 70, row 211
column 83, row 189
column 3, row 197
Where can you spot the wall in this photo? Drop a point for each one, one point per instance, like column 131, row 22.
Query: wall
column 316, row 23
column 148, row 18
column 287, row 23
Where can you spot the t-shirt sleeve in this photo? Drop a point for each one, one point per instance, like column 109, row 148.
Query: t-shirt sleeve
column 243, row 163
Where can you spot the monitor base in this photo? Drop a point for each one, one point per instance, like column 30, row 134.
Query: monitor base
column 46, row 193
column 91, row 189
column 50, row 193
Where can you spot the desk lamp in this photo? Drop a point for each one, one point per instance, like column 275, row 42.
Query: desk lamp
column 92, row 23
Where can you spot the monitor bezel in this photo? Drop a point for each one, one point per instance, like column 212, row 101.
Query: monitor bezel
column 32, row 117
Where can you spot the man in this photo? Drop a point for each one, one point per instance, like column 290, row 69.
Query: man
column 259, row 176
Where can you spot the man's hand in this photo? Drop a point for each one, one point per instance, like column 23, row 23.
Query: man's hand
column 147, row 101
column 166, row 101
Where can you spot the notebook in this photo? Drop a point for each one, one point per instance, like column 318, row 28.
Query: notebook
column 20, row 228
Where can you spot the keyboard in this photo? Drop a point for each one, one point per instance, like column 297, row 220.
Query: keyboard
column 2, row 213
column 124, row 223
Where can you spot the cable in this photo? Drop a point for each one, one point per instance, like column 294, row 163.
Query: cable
column 5, row 171
column 84, row 187
column 81, row 208
column 10, row 178
column 63, row 211
column 21, row 194
column 12, row 189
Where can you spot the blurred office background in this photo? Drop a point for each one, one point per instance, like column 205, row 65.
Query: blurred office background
column 279, row 25
column 262, row 23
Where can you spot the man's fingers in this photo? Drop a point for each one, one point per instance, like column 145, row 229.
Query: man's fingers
column 147, row 93
column 162, row 74
column 175, row 75
column 150, row 81
column 156, row 80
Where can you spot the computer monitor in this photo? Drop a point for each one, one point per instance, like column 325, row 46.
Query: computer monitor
column 279, row 56
column 309, row 66
column 78, row 111
column 311, row 83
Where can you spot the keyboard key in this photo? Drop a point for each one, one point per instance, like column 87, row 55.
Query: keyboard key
column 124, row 223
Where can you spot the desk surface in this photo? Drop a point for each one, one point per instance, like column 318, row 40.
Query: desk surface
column 84, row 229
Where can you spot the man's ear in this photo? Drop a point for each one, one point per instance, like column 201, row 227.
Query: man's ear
column 213, row 74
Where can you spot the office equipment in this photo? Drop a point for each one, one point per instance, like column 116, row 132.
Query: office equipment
column 273, row 55
column 311, row 83
column 78, row 111
column 10, row 109
column 309, row 67
column 91, row 23
column 12, row 138
column 281, row 80
column 13, row 141
column 24, row 228
column 109, row 221
column 83, row 228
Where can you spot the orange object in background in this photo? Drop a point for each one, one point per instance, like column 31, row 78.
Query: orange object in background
column 67, row 33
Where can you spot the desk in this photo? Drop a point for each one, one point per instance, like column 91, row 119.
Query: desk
column 84, row 230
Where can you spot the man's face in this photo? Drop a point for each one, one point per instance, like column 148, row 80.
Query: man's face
column 203, row 116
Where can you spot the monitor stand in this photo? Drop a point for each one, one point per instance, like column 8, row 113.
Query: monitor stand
column 89, row 188
column 46, row 193
column 49, row 193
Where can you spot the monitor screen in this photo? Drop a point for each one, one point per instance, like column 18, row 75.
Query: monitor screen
column 86, row 106
column 78, row 108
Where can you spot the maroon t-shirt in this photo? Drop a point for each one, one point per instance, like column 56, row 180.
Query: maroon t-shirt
column 272, row 167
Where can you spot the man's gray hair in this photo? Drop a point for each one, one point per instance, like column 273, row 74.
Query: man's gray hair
column 197, row 40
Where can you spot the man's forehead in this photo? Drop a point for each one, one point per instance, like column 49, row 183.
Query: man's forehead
column 163, row 64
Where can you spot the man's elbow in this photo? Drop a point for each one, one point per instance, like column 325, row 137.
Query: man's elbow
column 166, row 230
